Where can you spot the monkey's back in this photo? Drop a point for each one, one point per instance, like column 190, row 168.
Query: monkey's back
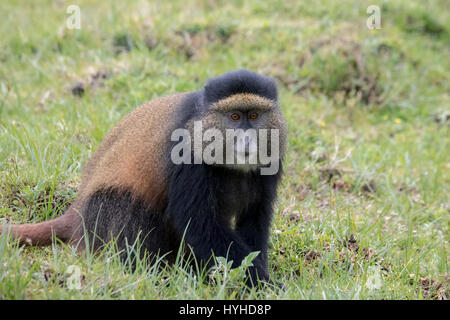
column 131, row 156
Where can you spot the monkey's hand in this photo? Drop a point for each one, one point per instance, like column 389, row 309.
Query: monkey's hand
column 254, row 280
column 256, row 274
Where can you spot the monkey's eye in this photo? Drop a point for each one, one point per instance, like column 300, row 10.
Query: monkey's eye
column 252, row 115
column 235, row 116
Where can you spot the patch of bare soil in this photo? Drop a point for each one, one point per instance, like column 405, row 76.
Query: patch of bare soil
column 349, row 250
column 345, row 179
column 95, row 79
column 62, row 280
column 434, row 289
column 442, row 118
column 192, row 39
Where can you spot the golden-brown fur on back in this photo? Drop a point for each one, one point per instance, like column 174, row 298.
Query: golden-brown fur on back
column 131, row 155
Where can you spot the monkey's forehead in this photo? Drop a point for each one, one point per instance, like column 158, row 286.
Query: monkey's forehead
column 244, row 102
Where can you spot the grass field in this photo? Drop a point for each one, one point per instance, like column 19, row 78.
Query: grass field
column 363, row 210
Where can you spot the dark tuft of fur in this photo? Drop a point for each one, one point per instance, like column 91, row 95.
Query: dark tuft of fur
column 239, row 81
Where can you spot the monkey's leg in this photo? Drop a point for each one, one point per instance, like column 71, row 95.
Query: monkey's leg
column 254, row 224
column 135, row 225
column 253, row 227
column 194, row 212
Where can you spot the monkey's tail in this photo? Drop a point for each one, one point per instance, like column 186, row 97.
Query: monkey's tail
column 64, row 227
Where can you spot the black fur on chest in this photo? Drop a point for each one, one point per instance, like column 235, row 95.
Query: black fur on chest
column 235, row 192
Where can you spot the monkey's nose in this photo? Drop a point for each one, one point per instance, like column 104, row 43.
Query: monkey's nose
column 245, row 145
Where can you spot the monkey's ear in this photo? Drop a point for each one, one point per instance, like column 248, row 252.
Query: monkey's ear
column 239, row 81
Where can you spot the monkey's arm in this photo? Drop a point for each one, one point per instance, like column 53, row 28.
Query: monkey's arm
column 193, row 209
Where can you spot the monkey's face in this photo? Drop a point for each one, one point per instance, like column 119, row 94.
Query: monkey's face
column 242, row 132
column 242, row 128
